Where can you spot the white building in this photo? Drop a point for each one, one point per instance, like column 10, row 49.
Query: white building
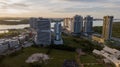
column 58, row 30
column 13, row 43
column 110, row 54
column 115, row 52
column 21, row 39
column 3, row 46
column 27, row 44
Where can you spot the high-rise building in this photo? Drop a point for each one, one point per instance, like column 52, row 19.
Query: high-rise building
column 77, row 24
column 67, row 24
column 32, row 22
column 107, row 27
column 42, row 28
column 88, row 23
column 57, row 31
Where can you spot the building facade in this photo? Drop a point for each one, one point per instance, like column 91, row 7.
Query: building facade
column 77, row 24
column 3, row 46
column 57, row 31
column 67, row 24
column 88, row 23
column 42, row 28
column 107, row 27
column 32, row 22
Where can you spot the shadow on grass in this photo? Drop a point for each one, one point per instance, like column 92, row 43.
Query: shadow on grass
column 15, row 53
column 36, row 64
column 1, row 58
column 61, row 47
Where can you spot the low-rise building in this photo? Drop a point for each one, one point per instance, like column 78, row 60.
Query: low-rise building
column 27, row 44
column 21, row 39
column 97, row 39
column 3, row 46
column 109, row 54
column 8, row 46
column 13, row 43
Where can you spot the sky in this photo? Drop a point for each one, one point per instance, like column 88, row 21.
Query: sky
column 59, row 8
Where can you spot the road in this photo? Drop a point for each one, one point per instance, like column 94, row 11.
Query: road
column 113, row 38
column 116, row 39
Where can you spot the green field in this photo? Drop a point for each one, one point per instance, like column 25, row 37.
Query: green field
column 88, row 59
column 12, row 33
column 96, row 65
column 115, row 29
column 57, row 55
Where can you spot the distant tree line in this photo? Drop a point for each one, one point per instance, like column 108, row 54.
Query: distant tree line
column 115, row 29
column 4, row 22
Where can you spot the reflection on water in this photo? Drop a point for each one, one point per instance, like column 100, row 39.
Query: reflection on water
column 13, row 26
column 3, row 28
column 97, row 23
column 3, row 31
column 100, row 23
column 13, row 20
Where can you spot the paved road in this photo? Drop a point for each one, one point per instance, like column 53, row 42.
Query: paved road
column 116, row 39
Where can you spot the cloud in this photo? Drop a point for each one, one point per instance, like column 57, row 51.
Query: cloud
column 7, row 5
column 96, row 9
column 13, row 7
column 83, row 0
column 61, row 6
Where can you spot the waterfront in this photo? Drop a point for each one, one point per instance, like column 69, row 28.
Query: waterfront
column 21, row 26
column 3, row 28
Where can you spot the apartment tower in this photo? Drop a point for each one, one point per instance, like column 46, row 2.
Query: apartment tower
column 107, row 27
column 88, row 24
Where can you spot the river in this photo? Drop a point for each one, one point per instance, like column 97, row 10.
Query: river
column 3, row 28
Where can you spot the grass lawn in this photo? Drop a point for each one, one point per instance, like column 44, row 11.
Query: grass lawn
column 115, row 29
column 74, row 42
column 88, row 59
column 58, row 57
column 96, row 65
